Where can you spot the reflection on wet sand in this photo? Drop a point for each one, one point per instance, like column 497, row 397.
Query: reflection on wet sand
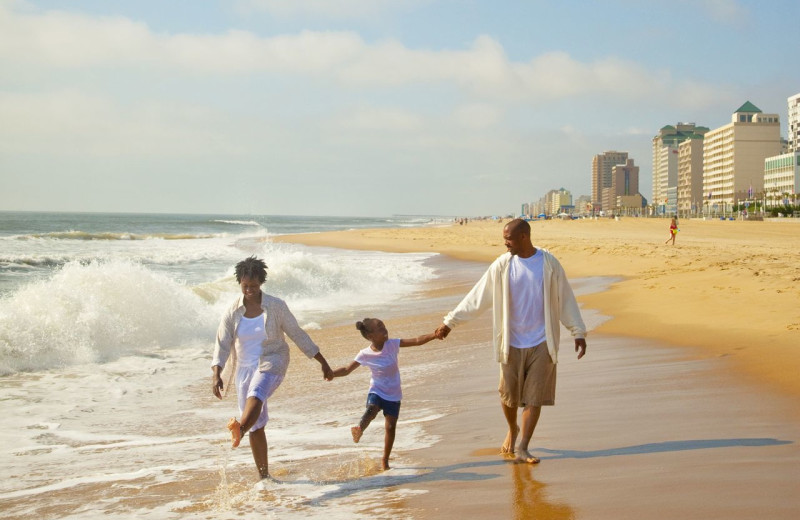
column 529, row 498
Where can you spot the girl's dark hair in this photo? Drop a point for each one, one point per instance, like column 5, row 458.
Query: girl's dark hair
column 251, row 268
column 366, row 326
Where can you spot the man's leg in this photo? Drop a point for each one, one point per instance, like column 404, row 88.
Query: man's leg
column 530, row 417
column 510, row 413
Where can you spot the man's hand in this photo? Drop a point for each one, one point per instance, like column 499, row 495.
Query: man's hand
column 580, row 347
column 442, row 331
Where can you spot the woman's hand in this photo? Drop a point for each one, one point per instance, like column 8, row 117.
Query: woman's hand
column 216, row 383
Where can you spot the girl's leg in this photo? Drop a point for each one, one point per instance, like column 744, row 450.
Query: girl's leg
column 370, row 413
column 388, row 439
column 258, row 445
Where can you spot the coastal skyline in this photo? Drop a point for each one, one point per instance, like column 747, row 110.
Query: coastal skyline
column 362, row 108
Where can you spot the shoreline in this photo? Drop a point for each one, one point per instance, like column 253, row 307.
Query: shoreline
column 726, row 289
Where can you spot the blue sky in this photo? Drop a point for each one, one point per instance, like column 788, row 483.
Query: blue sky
column 360, row 107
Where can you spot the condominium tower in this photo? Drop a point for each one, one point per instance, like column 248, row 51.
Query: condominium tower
column 734, row 154
column 665, row 164
column 782, row 172
column 602, row 165
column 690, row 176
column 794, row 123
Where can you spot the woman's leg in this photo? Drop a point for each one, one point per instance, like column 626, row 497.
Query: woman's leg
column 258, row 445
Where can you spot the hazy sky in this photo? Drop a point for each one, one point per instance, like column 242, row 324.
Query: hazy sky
column 363, row 107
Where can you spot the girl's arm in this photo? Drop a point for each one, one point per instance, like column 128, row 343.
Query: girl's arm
column 343, row 371
column 420, row 340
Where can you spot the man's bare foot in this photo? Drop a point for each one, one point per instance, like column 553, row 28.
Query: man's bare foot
column 525, row 457
column 510, row 442
column 385, row 465
column 236, row 432
column 357, row 432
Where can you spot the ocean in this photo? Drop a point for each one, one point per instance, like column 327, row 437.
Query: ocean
column 107, row 324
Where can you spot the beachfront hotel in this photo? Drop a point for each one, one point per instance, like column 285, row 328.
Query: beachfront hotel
column 690, row 176
column 794, row 123
column 623, row 196
column 602, row 165
column 665, row 164
column 782, row 172
column 733, row 158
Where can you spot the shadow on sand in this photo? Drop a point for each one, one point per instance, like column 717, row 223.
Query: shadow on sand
column 454, row 472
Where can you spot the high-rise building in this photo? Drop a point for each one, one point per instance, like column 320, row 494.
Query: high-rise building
column 559, row 201
column 690, row 176
column 601, row 174
column 665, row 164
column 733, row 157
column 624, row 182
column 782, row 172
column 793, row 123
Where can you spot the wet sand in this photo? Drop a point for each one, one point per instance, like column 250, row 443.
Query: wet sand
column 679, row 410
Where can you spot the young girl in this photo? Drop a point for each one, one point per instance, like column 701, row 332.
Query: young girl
column 673, row 230
column 384, row 386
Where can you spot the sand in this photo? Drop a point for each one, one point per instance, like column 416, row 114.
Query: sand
column 684, row 407
column 728, row 288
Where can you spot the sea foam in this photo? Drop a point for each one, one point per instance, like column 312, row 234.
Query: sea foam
column 97, row 312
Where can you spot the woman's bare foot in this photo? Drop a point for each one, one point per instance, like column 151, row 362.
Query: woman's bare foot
column 510, row 442
column 356, row 431
column 236, row 432
column 525, row 457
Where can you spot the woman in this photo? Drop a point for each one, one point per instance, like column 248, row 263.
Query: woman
column 253, row 329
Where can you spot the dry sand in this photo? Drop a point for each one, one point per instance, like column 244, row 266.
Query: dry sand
column 684, row 407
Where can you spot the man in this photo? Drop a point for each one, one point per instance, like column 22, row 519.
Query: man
column 529, row 295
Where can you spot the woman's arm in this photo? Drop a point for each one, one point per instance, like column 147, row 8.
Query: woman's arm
column 343, row 371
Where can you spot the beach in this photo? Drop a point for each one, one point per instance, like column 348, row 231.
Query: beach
column 684, row 407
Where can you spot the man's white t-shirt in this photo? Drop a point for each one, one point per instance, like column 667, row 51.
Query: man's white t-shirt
column 526, row 309
column 385, row 379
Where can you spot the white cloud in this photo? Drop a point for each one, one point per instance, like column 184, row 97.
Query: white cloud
column 381, row 119
column 328, row 9
column 477, row 115
column 73, row 123
column 482, row 70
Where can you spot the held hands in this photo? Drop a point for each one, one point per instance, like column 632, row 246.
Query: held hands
column 327, row 373
column 442, row 331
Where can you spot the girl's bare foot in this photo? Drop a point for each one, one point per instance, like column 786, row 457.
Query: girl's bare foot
column 510, row 442
column 356, row 431
column 236, row 432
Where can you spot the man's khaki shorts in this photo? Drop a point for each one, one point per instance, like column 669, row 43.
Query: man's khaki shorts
column 529, row 377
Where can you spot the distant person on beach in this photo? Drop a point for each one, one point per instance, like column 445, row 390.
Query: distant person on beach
column 529, row 294
column 252, row 331
column 673, row 230
column 384, row 392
